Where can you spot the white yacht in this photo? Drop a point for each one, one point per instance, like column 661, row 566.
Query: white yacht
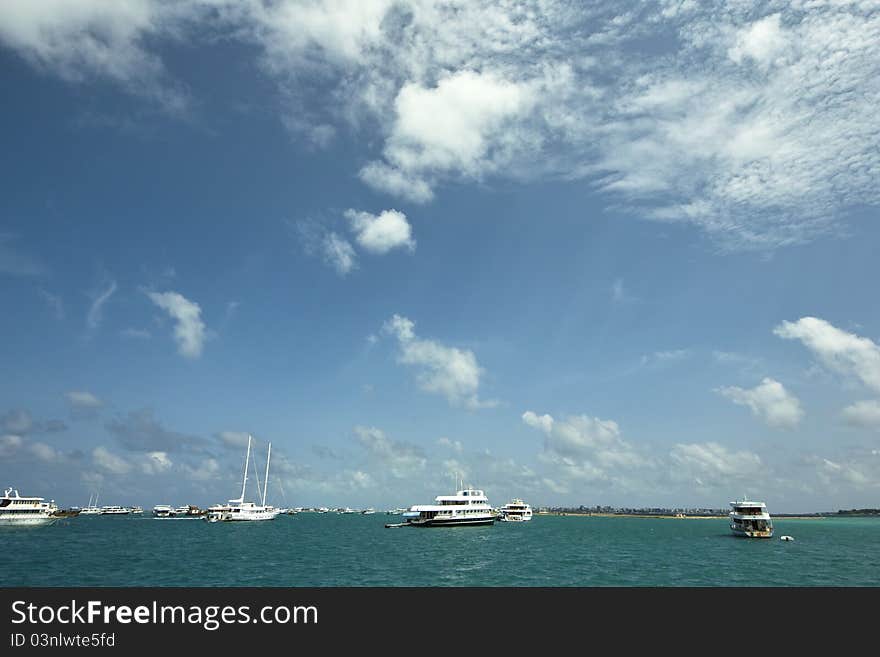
column 515, row 511
column 18, row 510
column 468, row 507
column 92, row 509
column 114, row 511
column 750, row 519
column 238, row 509
column 163, row 511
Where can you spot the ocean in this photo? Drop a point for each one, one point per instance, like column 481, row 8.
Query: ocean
column 331, row 550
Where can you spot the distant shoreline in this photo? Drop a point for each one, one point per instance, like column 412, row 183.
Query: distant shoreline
column 672, row 517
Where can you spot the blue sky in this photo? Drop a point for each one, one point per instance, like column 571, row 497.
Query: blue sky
column 619, row 255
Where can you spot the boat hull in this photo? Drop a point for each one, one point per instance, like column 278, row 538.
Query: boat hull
column 751, row 533
column 452, row 522
column 27, row 522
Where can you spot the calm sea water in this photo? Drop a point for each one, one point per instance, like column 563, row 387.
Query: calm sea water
column 356, row 550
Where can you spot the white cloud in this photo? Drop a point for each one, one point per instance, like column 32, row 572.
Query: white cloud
column 449, row 371
column 79, row 39
column 96, row 310
column 454, row 445
column 542, row 422
column 840, row 351
column 189, row 330
column 769, row 401
column 110, row 462
column 82, row 399
column 154, row 463
column 762, row 41
column 400, row 459
column 380, row 234
column 9, row 444
column 714, row 465
column 339, row 253
column 863, row 414
column 588, row 450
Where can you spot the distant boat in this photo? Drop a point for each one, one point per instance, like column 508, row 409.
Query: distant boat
column 515, row 511
column 750, row 519
column 25, row 511
column 239, row 510
column 114, row 510
column 92, row 509
column 163, row 511
column 135, row 510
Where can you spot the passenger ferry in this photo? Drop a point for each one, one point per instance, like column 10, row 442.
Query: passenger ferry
column 238, row 510
column 750, row 519
column 18, row 510
column 468, row 507
column 114, row 511
column 515, row 511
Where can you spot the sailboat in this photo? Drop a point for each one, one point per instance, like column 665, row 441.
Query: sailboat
column 238, row 509
column 92, row 509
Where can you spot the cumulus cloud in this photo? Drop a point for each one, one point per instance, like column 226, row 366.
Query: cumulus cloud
column 381, row 233
column 588, row 450
column 400, row 459
column 542, row 422
column 449, row 371
column 769, row 401
column 839, row 350
column 109, row 462
column 189, row 329
column 711, row 464
column 863, row 414
column 82, row 39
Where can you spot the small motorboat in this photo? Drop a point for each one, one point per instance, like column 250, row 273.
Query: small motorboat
column 786, row 538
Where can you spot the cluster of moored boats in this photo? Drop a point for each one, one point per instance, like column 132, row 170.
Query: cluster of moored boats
column 468, row 507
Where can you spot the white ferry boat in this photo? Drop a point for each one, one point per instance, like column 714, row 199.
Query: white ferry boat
column 163, row 511
column 238, row 509
column 18, row 510
column 114, row 510
column 468, row 507
column 515, row 511
column 750, row 519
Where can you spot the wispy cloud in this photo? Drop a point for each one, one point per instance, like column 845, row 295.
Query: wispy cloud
column 96, row 309
column 17, row 263
column 189, row 329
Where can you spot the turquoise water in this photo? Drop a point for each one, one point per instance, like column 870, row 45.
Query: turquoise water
column 356, row 550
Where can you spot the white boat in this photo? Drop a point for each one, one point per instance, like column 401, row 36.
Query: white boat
column 92, row 509
column 239, row 510
column 515, row 511
column 750, row 519
column 18, row 510
column 163, row 511
column 135, row 510
column 468, row 507
column 114, row 510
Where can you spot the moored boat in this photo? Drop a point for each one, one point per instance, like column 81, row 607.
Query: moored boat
column 25, row 511
column 515, row 511
column 468, row 507
column 750, row 519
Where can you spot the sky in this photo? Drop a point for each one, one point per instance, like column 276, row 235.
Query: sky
column 583, row 254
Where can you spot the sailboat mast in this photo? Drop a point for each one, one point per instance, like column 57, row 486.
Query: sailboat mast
column 246, row 461
column 266, row 480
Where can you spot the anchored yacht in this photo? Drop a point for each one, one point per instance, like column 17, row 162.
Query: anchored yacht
column 238, row 509
column 515, row 511
column 467, row 507
column 18, row 510
column 750, row 519
column 92, row 509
